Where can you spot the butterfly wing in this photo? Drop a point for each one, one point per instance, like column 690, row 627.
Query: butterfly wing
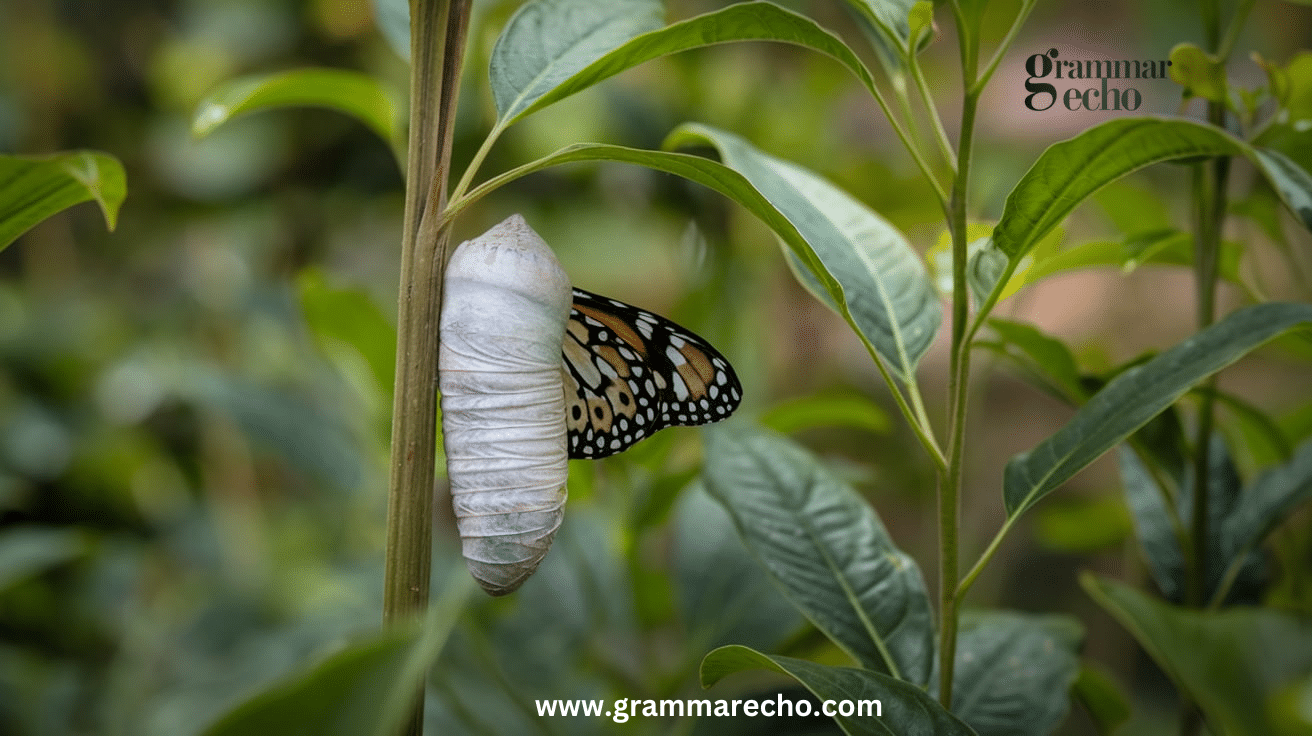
column 629, row 373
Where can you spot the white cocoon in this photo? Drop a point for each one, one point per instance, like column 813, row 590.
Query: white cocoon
column 503, row 400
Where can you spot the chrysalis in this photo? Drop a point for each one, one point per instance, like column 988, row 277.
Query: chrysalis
column 506, row 303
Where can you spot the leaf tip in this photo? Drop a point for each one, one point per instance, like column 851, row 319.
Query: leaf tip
column 209, row 116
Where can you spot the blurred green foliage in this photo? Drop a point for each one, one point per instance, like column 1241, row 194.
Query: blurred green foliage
column 194, row 409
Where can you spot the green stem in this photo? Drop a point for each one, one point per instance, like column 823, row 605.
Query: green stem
column 467, row 178
column 901, row 132
column 949, row 495
column 1227, row 45
column 1003, row 47
column 1207, row 243
column 927, row 99
column 437, row 43
column 1211, row 219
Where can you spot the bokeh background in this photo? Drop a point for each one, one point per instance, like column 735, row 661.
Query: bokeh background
column 194, row 408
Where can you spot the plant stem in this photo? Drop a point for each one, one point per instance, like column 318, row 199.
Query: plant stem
column 949, row 495
column 1207, row 245
column 436, row 46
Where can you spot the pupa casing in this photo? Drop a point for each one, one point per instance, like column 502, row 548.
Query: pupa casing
column 505, row 306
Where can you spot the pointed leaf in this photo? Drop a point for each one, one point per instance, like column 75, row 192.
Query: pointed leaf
column 33, row 188
column 886, row 293
column 530, row 73
column 1230, row 662
column 352, row 93
column 826, row 549
column 904, row 709
column 1014, row 672
column 1139, row 394
column 1069, row 172
column 368, row 688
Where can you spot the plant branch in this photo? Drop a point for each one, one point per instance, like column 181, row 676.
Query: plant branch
column 949, row 492
column 438, row 29
column 936, row 121
column 1003, row 47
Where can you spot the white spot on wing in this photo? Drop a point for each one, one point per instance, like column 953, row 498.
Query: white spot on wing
column 680, row 388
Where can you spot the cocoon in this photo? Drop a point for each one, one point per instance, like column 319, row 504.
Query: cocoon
column 505, row 307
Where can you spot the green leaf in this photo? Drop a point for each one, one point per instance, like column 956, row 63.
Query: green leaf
column 1166, row 247
column 1230, row 662
column 33, row 188
column 349, row 316
column 1137, row 395
column 1069, row 172
column 1014, row 672
column 723, row 594
column 1104, row 700
column 1297, row 97
column 1291, row 182
column 890, row 19
column 886, row 293
column 722, row 179
column 546, row 42
column 1046, row 356
column 1156, row 530
column 904, row 709
column 561, row 47
column 352, row 93
column 826, row 549
column 1134, row 206
column 811, row 412
column 1161, row 442
column 1154, row 526
column 369, row 688
column 922, row 318
column 27, row 551
column 1200, row 73
column 1270, row 500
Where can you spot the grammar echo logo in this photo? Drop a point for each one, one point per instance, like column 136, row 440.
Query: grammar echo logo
column 1075, row 78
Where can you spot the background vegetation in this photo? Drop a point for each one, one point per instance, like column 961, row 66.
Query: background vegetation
column 194, row 408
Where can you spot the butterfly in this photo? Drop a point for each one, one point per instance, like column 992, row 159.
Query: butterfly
column 629, row 373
